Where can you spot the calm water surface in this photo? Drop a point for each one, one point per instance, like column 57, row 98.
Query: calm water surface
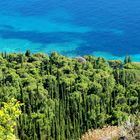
column 108, row 28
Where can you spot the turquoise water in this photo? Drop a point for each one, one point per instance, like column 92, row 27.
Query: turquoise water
column 71, row 27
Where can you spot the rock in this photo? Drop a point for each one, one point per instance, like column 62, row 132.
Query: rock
column 81, row 59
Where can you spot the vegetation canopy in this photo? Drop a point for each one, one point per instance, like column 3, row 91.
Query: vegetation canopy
column 64, row 97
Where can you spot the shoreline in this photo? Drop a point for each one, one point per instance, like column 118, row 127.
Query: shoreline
column 76, row 56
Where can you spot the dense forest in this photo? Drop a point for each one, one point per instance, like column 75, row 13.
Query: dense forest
column 61, row 98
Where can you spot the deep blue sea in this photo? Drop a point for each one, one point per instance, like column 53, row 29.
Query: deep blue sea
column 108, row 28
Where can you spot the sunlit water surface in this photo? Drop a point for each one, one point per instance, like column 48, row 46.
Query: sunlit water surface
column 108, row 28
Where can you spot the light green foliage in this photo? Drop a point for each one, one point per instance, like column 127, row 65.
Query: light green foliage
column 9, row 113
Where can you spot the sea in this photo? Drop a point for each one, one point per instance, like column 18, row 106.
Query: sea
column 102, row 28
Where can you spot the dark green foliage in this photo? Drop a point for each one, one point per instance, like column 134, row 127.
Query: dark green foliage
column 63, row 97
column 27, row 53
column 127, row 60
